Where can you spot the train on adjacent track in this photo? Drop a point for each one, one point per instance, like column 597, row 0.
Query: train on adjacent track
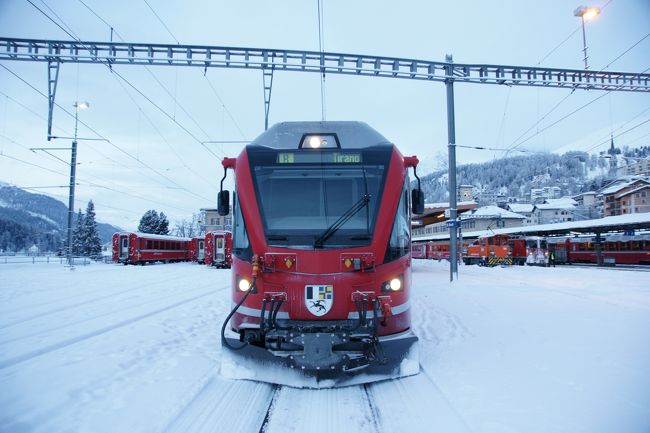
column 321, row 273
column 502, row 249
column 142, row 248
column 218, row 249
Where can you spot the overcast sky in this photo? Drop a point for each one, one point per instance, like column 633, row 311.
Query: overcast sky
column 168, row 170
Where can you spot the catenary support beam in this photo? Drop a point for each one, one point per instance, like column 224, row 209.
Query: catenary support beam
column 122, row 53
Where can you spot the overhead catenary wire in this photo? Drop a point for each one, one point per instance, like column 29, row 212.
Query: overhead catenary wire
column 83, row 180
column 104, row 138
column 161, row 84
column 113, row 71
column 513, row 144
column 95, row 185
column 161, row 22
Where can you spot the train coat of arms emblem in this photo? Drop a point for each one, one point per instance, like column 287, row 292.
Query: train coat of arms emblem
column 319, row 299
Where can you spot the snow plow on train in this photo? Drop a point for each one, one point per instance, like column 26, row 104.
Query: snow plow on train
column 321, row 257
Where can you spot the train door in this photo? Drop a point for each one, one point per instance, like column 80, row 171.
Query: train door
column 124, row 247
column 200, row 254
column 219, row 250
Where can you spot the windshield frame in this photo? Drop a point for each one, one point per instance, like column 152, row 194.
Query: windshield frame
column 376, row 159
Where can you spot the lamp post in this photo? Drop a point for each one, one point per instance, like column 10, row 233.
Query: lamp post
column 73, row 170
column 586, row 13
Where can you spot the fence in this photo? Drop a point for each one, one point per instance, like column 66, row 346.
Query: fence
column 62, row 260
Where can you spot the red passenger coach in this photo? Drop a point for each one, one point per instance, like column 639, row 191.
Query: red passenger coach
column 218, row 249
column 321, row 272
column 142, row 248
column 197, row 249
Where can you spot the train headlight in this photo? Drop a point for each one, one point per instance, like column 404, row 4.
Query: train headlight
column 319, row 141
column 243, row 284
column 393, row 285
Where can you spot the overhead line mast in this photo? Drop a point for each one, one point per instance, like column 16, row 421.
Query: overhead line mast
column 122, row 53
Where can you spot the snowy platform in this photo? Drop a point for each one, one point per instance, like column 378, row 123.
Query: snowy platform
column 108, row 348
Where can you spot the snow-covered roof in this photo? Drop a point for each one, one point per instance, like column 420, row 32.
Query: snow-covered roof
column 562, row 206
column 152, row 236
column 619, row 184
column 632, row 191
column 619, row 221
column 492, row 212
column 521, row 207
column 561, row 200
column 445, row 204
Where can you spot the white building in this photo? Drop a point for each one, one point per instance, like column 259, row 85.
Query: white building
column 525, row 209
column 555, row 211
column 539, row 195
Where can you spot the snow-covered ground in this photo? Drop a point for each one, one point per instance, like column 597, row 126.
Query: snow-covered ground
column 108, row 348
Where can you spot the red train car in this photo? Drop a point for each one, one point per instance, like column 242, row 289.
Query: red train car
column 218, row 249
column 615, row 249
column 321, row 270
column 419, row 251
column 197, row 249
column 142, row 248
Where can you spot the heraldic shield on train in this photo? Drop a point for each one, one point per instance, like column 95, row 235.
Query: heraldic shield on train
column 319, row 299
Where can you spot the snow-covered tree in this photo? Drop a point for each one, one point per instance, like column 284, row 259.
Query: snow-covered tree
column 163, row 224
column 188, row 228
column 91, row 242
column 149, row 222
column 78, row 235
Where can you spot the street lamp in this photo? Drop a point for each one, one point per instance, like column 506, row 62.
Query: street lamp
column 586, row 13
column 79, row 105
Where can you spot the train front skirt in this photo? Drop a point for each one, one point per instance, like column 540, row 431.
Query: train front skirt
column 317, row 365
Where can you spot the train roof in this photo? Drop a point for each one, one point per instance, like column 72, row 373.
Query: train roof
column 153, row 236
column 350, row 134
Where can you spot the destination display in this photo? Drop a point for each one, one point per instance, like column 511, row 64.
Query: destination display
column 322, row 158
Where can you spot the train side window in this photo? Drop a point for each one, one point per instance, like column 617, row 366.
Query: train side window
column 155, row 245
column 400, row 236
column 241, row 246
column 624, row 246
column 636, row 245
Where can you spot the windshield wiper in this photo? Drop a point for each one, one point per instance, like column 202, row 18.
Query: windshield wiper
column 363, row 202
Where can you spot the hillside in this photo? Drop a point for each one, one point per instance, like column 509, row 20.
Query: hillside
column 572, row 172
column 27, row 219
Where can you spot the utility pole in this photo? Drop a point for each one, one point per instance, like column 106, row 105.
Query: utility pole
column 73, row 172
column 451, row 133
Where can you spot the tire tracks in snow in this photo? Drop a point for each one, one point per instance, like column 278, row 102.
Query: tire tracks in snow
column 67, row 342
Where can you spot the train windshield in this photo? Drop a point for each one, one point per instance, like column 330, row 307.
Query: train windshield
column 302, row 201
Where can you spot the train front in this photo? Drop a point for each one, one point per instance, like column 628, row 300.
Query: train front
column 321, row 258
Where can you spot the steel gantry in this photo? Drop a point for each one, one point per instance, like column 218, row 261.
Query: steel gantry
column 55, row 52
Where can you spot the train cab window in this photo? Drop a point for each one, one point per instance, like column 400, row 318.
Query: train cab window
column 400, row 236
column 241, row 246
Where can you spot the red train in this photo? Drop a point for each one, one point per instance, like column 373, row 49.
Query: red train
column 142, row 248
column 615, row 249
column 431, row 250
column 197, row 249
column 218, row 249
column 321, row 270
